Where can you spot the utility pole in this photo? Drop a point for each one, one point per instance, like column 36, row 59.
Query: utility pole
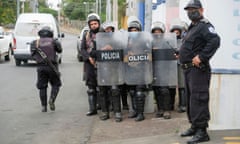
column 108, row 11
column 34, row 5
column 148, row 15
column 59, row 10
column 97, row 6
column 100, row 7
column 18, row 7
column 115, row 12
column 141, row 12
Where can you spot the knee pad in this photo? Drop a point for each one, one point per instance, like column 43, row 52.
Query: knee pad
column 165, row 91
column 115, row 92
column 140, row 94
column 132, row 92
column 91, row 91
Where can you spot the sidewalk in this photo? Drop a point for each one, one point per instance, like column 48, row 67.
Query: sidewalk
column 152, row 131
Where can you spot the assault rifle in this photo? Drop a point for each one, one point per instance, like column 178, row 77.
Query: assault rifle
column 176, row 52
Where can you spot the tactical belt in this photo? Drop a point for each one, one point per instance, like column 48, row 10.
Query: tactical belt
column 187, row 65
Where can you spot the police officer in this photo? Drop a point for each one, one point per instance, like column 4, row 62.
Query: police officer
column 45, row 72
column 179, row 28
column 161, row 94
column 88, row 50
column 109, row 95
column 136, row 91
column 199, row 45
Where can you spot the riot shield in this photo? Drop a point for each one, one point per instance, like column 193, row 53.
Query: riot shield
column 138, row 58
column 164, row 60
column 110, row 58
column 181, row 81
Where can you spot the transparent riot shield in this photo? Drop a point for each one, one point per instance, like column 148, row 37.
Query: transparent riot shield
column 138, row 58
column 110, row 66
column 181, row 81
column 164, row 60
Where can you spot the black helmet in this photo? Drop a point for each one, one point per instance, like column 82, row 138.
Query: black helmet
column 93, row 17
column 135, row 24
column 193, row 4
column 46, row 31
column 158, row 25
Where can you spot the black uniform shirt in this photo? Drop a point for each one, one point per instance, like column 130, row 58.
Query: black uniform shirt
column 201, row 39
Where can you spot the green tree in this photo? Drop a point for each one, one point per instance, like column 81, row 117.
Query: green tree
column 7, row 12
column 44, row 8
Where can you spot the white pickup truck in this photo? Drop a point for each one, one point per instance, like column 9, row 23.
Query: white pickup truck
column 6, row 43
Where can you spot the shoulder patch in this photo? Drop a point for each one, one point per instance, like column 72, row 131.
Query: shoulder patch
column 212, row 30
column 204, row 20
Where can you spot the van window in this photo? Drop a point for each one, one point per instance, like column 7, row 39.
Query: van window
column 30, row 29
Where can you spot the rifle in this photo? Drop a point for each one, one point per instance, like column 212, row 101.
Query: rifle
column 46, row 60
column 176, row 52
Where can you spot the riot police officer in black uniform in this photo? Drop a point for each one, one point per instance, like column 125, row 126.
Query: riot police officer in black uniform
column 137, row 92
column 45, row 72
column 88, row 50
column 161, row 93
column 199, row 45
column 179, row 28
column 109, row 94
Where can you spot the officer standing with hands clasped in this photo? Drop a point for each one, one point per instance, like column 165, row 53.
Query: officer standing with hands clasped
column 44, row 52
column 88, row 50
column 199, row 45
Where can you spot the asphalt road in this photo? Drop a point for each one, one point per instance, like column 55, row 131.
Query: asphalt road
column 22, row 122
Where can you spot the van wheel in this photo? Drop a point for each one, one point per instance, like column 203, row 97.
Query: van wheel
column 25, row 61
column 7, row 57
column 18, row 62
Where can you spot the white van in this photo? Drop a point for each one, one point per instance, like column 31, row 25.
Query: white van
column 26, row 30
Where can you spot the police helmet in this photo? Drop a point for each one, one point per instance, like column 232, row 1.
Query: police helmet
column 45, row 31
column 108, row 24
column 93, row 17
column 158, row 25
column 135, row 24
column 194, row 4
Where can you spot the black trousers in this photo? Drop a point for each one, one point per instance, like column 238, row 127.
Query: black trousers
column 197, row 84
column 45, row 74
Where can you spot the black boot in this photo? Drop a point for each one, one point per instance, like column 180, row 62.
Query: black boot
column 133, row 113
column 53, row 97
column 118, row 117
column 167, row 115
column 104, row 116
column 116, row 103
column 201, row 135
column 182, row 101
column 43, row 98
column 104, row 101
column 140, row 117
column 44, row 108
column 140, row 101
column 159, row 113
column 92, row 102
column 157, row 97
column 172, row 92
column 189, row 132
column 124, row 95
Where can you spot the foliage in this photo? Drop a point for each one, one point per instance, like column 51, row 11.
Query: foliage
column 7, row 12
column 79, row 9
